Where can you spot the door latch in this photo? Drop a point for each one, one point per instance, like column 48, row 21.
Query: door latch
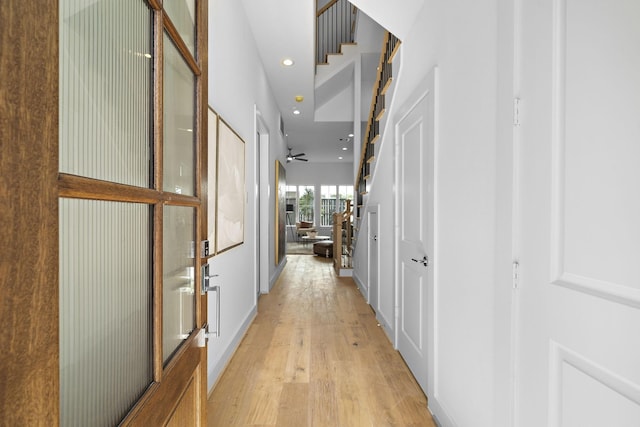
column 204, row 281
column 424, row 261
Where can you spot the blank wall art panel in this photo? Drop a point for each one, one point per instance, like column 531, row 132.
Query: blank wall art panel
column 231, row 189
column 212, row 151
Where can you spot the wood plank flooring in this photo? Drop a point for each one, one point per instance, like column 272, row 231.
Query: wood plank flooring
column 315, row 356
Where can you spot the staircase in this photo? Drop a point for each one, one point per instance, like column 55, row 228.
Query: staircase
column 335, row 26
column 335, row 80
column 339, row 65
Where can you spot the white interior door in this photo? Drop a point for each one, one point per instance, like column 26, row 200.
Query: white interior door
column 262, row 152
column 578, row 355
column 258, row 214
column 373, row 261
column 415, row 146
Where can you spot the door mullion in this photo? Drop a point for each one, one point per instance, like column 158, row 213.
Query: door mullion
column 157, row 291
column 157, row 185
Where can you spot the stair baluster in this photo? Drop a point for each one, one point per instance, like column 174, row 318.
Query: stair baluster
column 335, row 24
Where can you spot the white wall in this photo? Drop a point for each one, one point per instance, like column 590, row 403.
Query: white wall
column 460, row 38
column 396, row 16
column 237, row 82
column 504, row 250
column 301, row 173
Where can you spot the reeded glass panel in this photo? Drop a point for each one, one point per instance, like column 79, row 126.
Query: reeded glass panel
column 182, row 14
column 179, row 122
column 178, row 289
column 105, row 310
column 105, row 90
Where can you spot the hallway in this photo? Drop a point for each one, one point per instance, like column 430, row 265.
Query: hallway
column 314, row 356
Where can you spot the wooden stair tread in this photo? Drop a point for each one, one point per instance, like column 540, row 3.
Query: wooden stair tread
column 386, row 85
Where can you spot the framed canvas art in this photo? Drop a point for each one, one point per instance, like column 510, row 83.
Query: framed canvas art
column 281, row 202
column 212, row 152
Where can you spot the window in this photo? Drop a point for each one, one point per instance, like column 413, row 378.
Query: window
column 302, row 204
column 333, row 199
column 346, row 193
column 327, row 204
column 306, row 198
column 291, row 198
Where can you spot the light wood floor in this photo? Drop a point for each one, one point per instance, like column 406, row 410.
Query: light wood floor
column 315, row 356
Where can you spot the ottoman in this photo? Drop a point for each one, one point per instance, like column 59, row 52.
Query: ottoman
column 323, row 248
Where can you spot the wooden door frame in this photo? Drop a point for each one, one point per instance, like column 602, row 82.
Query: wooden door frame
column 29, row 378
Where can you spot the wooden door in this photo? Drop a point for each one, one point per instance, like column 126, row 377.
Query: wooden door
column 415, row 134
column 579, row 234
column 47, row 186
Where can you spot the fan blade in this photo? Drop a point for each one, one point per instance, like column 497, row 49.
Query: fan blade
column 301, row 159
column 298, row 155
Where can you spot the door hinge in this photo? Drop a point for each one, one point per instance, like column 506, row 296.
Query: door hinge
column 516, row 111
column 515, row 274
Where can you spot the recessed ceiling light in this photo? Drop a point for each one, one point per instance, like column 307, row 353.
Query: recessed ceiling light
column 296, row 112
column 287, row 62
column 344, row 148
column 340, row 158
column 350, row 135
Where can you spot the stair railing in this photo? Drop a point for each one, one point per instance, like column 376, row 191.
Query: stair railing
column 335, row 24
column 343, row 239
column 390, row 46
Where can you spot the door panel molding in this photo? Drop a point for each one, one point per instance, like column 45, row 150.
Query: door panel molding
column 180, row 376
column 412, row 330
column 561, row 358
column 560, row 274
column 373, row 258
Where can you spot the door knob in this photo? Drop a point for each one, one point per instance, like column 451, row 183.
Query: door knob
column 424, row 261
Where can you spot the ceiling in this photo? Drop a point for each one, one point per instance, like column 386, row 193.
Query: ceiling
column 286, row 29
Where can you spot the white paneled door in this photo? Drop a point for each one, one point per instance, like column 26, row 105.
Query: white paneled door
column 415, row 134
column 578, row 345
column 374, row 260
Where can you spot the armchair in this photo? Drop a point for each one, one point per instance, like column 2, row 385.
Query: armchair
column 304, row 227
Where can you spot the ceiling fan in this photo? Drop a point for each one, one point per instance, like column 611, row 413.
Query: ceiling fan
column 291, row 157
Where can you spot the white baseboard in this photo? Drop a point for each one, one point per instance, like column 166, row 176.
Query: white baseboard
column 214, row 374
column 361, row 287
column 277, row 272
